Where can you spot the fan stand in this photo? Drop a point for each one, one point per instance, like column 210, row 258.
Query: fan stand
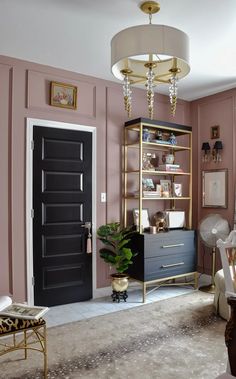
column 211, row 288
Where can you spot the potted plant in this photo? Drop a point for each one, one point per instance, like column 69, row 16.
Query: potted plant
column 117, row 253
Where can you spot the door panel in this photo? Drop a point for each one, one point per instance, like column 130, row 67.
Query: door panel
column 62, row 202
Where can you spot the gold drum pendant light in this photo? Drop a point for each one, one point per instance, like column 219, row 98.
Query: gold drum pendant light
column 150, row 55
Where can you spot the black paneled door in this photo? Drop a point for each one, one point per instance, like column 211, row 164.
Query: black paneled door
column 62, row 202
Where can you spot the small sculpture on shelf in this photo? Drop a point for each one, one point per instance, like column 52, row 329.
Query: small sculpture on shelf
column 146, row 135
column 158, row 135
column 148, row 160
column 172, row 139
column 160, row 220
column 168, row 158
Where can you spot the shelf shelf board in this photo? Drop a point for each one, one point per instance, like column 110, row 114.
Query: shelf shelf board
column 158, row 147
column 163, row 173
column 159, row 198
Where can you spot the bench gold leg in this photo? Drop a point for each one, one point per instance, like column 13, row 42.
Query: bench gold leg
column 25, row 343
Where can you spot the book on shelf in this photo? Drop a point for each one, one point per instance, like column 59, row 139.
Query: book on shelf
column 169, row 165
column 147, row 194
column 169, row 168
column 24, row 311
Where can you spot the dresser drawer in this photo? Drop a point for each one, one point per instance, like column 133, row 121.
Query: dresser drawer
column 169, row 265
column 174, row 242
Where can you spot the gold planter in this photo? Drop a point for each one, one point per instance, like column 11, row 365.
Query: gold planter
column 119, row 282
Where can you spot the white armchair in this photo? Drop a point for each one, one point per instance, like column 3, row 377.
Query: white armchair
column 227, row 250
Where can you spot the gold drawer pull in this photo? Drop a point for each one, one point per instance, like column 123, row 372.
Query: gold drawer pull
column 176, row 245
column 173, row 265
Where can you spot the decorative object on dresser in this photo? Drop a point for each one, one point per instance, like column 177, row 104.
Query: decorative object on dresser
column 118, row 254
column 161, row 221
column 211, row 228
column 175, row 219
column 166, row 256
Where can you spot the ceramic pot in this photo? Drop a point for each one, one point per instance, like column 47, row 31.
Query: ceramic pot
column 170, row 158
column 119, row 282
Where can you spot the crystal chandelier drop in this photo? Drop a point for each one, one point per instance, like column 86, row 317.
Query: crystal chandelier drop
column 150, row 55
column 127, row 94
column 173, row 89
column 150, row 88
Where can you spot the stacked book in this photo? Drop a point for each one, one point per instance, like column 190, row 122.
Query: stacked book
column 169, row 167
column 149, row 194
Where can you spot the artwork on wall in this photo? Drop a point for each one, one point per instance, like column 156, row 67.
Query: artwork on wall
column 63, row 95
column 215, row 132
column 214, row 188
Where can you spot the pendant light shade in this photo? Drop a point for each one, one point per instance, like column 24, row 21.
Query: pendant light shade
column 150, row 54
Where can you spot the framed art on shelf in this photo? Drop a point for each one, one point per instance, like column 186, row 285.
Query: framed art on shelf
column 215, row 188
column 144, row 220
column 63, row 95
column 166, row 187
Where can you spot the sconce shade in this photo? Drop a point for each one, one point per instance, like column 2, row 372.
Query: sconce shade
column 206, row 146
column 218, row 145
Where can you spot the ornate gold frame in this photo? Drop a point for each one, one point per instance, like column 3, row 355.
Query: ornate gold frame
column 63, row 90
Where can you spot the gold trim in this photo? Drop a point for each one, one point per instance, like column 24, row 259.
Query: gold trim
column 162, row 282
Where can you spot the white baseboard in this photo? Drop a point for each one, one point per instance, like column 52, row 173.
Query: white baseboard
column 101, row 292
column 106, row 291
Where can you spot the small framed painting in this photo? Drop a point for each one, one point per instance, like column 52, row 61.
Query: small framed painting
column 215, row 132
column 63, row 95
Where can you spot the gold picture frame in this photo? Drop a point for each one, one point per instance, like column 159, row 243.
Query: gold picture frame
column 63, row 95
column 215, row 188
column 215, row 132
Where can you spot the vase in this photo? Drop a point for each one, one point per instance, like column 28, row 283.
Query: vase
column 119, row 282
column 170, row 158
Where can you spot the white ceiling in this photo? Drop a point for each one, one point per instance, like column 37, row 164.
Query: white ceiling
column 76, row 34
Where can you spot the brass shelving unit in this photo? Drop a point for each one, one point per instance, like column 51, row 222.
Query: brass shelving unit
column 133, row 132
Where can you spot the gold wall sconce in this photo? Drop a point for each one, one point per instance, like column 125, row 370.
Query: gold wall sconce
column 215, row 154
column 216, row 151
column 206, row 152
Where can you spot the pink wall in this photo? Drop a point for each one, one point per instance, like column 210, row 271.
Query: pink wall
column 213, row 110
column 25, row 93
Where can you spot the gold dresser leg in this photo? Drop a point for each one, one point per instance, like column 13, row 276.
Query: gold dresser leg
column 144, row 292
column 196, row 280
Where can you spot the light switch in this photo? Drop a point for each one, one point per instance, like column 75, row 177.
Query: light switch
column 103, row 197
